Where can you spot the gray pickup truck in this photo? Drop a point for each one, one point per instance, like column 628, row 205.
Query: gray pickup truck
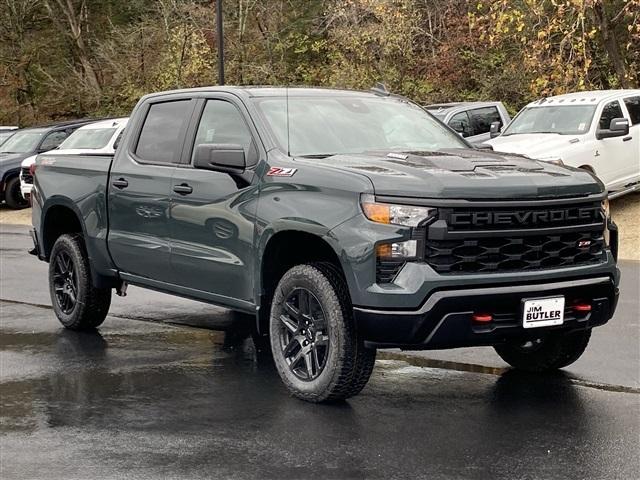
column 343, row 221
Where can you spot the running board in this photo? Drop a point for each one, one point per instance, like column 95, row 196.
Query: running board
column 619, row 193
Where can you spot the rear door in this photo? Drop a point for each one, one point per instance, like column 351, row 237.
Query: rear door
column 612, row 154
column 139, row 188
column 212, row 213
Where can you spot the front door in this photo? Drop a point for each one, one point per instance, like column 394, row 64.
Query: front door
column 139, row 190
column 632, row 163
column 613, row 154
column 212, row 213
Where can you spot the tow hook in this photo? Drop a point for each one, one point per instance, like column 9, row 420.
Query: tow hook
column 121, row 290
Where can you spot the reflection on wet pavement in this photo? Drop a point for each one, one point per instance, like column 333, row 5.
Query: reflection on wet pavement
column 148, row 400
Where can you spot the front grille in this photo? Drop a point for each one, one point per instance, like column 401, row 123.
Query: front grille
column 480, row 244
column 26, row 175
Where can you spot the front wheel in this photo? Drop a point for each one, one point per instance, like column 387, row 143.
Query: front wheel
column 316, row 347
column 77, row 303
column 548, row 352
column 12, row 194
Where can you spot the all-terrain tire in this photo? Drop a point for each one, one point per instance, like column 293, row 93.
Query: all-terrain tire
column 551, row 352
column 349, row 363
column 12, row 194
column 91, row 304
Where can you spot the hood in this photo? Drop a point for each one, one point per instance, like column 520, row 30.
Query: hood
column 9, row 161
column 534, row 145
column 465, row 174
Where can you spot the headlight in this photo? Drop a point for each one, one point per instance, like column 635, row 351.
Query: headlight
column 407, row 215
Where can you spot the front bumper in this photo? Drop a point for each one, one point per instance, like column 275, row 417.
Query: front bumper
column 445, row 319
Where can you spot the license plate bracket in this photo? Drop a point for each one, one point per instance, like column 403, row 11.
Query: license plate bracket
column 543, row 312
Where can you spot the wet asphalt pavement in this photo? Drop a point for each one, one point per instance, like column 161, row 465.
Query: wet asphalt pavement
column 148, row 399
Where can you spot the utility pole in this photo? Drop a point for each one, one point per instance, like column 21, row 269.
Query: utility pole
column 220, row 42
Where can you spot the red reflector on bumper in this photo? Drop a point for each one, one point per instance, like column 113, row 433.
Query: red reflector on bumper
column 482, row 317
column 582, row 307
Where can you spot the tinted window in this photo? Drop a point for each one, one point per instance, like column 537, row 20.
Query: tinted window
column 610, row 111
column 633, row 106
column 221, row 122
column 482, row 118
column 159, row 138
column 460, row 123
column 52, row 140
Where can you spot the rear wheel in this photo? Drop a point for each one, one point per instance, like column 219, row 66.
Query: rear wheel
column 550, row 352
column 315, row 345
column 12, row 194
column 77, row 303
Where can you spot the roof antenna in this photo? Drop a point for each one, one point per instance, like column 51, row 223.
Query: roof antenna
column 286, row 94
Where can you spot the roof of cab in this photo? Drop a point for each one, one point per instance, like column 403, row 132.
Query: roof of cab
column 443, row 108
column 111, row 123
column 271, row 91
column 582, row 98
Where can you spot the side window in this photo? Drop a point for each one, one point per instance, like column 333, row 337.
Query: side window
column 633, row 107
column 52, row 140
column 610, row 111
column 221, row 122
column 482, row 118
column 160, row 134
column 460, row 123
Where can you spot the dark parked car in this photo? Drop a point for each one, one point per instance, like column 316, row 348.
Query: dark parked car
column 25, row 143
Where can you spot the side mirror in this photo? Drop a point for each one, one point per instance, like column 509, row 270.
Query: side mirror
column 220, row 157
column 494, row 129
column 618, row 127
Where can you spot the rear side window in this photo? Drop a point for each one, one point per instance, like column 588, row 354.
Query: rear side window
column 610, row 111
column 482, row 118
column 161, row 132
column 633, row 106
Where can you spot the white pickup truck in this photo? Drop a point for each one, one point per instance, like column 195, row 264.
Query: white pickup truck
column 597, row 131
column 97, row 138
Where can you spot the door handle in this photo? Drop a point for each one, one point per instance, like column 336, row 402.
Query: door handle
column 183, row 189
column 120, row 183
column 626, row 139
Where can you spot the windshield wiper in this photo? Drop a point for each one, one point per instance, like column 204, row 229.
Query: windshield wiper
column 318, row 155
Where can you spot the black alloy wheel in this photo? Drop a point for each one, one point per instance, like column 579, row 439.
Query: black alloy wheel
column 65, row 283
column 304, row 336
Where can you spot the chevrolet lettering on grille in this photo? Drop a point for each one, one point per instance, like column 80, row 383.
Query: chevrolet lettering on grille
column 525, row 217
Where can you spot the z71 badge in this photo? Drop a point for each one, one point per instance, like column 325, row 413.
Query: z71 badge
column 281, row 172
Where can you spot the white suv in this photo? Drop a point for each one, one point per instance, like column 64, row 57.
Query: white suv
column 597, row 131
column 98, row 138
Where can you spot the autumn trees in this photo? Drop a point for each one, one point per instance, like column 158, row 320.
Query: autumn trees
column 73, row 58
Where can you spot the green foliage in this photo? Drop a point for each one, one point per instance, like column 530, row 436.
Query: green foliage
column 76, row 58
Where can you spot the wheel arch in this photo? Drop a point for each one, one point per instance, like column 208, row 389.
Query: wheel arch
column 60, row 215
column 283, row 249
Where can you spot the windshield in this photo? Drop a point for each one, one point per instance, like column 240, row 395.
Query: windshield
column 4, row 136
column 565, row 120
column 323, row 126
column 22, row 142
column 89, row 138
